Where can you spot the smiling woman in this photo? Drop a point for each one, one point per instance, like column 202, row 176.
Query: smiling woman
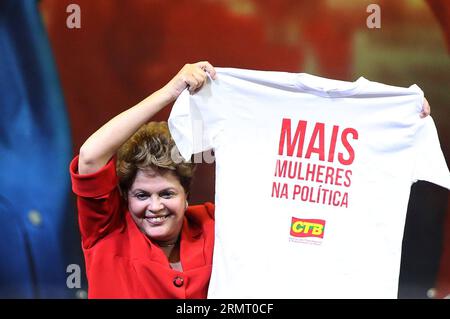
column 140, row 239
column 157, row 203
column 154, row 186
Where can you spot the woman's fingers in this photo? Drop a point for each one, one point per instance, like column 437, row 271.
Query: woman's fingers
column 192, row 77
column 194, row 81
column 196, row 76
column 426, row 109
column 206, row 66
column 200, row 77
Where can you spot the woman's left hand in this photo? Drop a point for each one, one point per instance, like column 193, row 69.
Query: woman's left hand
column 426, row 109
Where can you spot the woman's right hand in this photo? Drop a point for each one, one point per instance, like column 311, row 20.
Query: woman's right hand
column 191, row 76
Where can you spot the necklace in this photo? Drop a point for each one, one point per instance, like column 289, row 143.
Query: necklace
column 167, row 245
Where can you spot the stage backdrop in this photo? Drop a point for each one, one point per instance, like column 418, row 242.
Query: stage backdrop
column 124, row 50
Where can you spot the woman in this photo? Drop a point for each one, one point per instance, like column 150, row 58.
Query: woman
column 162, row 248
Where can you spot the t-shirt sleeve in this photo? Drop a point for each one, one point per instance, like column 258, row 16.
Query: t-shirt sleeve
column 98, row 201
column 430, row 164
column 196, row 120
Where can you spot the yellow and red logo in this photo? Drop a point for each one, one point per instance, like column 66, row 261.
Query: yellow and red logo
column 307, row 227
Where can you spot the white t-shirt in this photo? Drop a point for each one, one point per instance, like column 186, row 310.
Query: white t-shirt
column 313, row 178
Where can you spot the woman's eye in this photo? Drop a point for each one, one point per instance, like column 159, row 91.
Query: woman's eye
column 167, row 195
column 141, row 196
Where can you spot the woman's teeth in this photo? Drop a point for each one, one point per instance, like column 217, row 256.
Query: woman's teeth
column 157, row 219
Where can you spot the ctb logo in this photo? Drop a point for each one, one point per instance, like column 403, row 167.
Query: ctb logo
column 307, row 227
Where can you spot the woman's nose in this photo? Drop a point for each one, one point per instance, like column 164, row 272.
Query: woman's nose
column 155, row 204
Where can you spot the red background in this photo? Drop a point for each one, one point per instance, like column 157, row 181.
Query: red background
column 125, row 50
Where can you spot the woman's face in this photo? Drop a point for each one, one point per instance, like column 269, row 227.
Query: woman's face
column 157, row 202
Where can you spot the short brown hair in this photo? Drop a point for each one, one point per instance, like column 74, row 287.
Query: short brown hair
column 151, row 146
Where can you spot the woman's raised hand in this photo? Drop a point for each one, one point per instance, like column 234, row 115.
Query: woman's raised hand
column 191, row 76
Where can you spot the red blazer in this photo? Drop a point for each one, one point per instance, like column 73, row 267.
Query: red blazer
column 121, row 262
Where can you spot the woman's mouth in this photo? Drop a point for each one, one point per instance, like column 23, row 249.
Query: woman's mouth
column 157, row 220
